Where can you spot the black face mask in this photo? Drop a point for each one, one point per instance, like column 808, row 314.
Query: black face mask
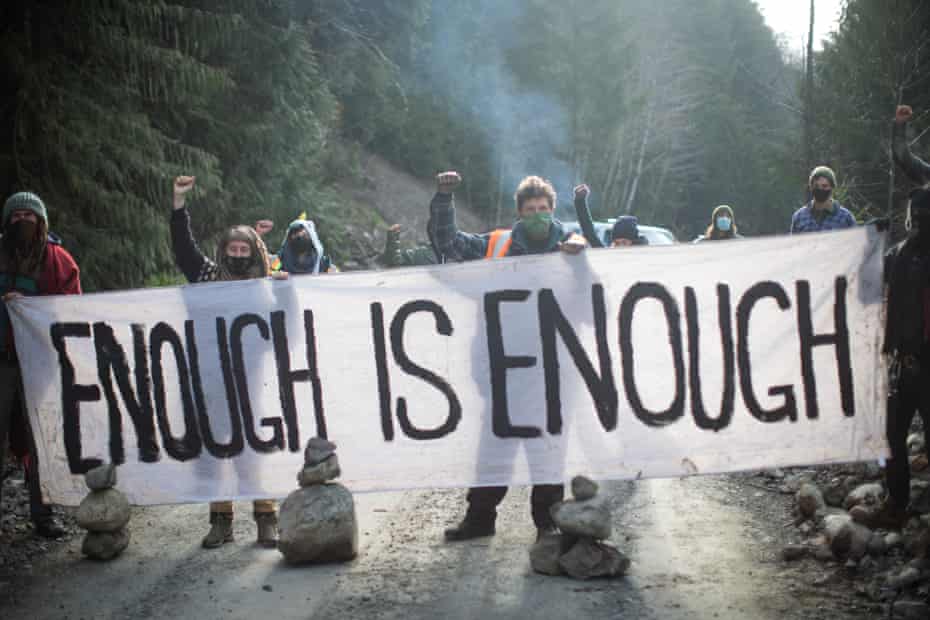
column 821, row 195
column 301, row 245
column 238, row 265
column 22, row 233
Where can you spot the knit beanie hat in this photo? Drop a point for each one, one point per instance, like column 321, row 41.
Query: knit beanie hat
column 825, row 172
column 24, row 201
column 626, row 227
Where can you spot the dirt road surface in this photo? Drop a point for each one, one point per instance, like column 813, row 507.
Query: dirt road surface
column 701, row 548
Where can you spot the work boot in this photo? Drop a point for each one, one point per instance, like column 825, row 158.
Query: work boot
column 267, row 523
column 49, row 526
column 221, row 530
column 468, row 529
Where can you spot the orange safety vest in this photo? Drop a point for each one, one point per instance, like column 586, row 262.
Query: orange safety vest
column 494, row 241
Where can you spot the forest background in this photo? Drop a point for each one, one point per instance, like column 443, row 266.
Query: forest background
column 666, row 108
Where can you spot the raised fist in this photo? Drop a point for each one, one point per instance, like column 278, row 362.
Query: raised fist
column 263, row 227
column 182, row 185
column 903, row 114
column 446, row 182
column 582, row 191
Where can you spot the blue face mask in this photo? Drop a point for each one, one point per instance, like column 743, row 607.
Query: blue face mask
column 724, row 223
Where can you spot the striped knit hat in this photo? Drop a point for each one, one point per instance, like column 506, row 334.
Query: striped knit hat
column 24, row 201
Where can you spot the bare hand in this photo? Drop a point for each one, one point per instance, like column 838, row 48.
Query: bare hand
column 903, row 114
column 395, row 229
column 11, row 296
column 574, row 244
column 582, row 191
column 446, row 182
column 182, row 185
column 279, row 275
column 263, row 227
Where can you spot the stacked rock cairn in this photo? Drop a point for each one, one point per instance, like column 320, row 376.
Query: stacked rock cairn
column 104, row 513
column 580, row 550
column 317, row 522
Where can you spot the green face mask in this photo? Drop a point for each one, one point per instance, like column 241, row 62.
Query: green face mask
column 537, row 225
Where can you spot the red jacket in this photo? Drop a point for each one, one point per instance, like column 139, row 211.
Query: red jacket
column 60, row 275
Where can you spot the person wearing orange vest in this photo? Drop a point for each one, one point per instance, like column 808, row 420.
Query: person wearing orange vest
column 535, row 232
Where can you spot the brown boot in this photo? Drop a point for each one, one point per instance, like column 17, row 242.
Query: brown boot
column 267, row 523
column 221, row 530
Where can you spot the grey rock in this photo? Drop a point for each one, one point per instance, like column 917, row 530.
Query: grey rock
column 810, row 500
column 589, row 558
column 791, row 553
column 863, row 514
column 103, row 511
column 545, row 554
column 583, row 488
column 865, row 494
column 590, row 518
column 893, row 540
column 793, row 483
column 101, row 477
column 318, row 524
column 823, row 553
column 920, row 496
column 847, row 539
column 915, row 443
column 319, row 473
column 318, row 450
column 105, row 545
column 911, row 610
column 835, row 492
column 877, row 546
column 905, row 579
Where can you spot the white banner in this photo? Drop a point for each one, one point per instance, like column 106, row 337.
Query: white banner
column 644, row 362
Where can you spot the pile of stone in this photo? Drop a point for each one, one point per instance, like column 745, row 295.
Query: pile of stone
column 837, row 522
column 580, row 550
column 317, row 522
column 104, row 513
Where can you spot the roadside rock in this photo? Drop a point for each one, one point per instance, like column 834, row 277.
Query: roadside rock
column 877, row 545
column 847, row 539
column 810, row 500
column 544, row 555
column 911, row 610
column 321, row 472
column 589, row 518
column 905, row 579
column 105, row 545
column 318, row 450
column 101, row 478
column 915, row 443
column 583, row 488
column 588, row 559
column 893, row 540
column 103, row 511
column 835, row 492
column 920, row 496
column 791, row 553
column 867, row 494
column 318, row 524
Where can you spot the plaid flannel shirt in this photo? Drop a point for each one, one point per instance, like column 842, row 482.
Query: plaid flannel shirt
column 806, row 219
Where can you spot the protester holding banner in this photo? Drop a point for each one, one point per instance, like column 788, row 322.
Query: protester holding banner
column 907, row 330
column 240, row 255
column 536, row 232
column 302, row 251
column 32, row 262
column 722, row 225
column 624, row 233
column 822, row 212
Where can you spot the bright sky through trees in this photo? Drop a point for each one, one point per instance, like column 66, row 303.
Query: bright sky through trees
column 789, row 19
